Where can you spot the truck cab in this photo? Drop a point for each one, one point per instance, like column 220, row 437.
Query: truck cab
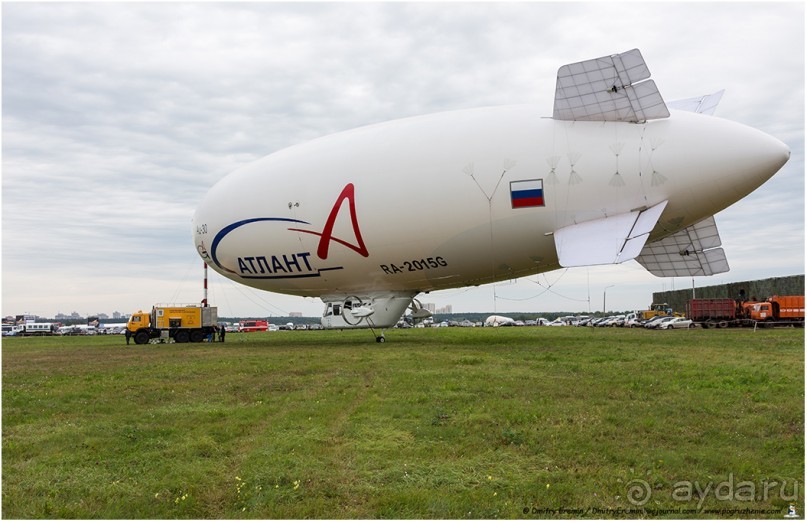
column 137, row 321
column 759, row 311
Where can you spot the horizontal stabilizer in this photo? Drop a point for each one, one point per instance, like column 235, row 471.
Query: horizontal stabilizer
column 700, row 104
column 606, row 241
column 693, row 251
column 611, row 88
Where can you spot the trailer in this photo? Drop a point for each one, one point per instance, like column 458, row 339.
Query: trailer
column 182, row 323
column 714, row 313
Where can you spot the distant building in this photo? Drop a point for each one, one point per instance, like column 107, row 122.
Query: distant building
column 447, row 309
column 117, row 315
column 295, row 314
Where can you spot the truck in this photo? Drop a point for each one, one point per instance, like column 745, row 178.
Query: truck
column 722, row 313
column 788, row 309
column 253, row 325
column 37, row 329
column 182, row 323
column 657, row 309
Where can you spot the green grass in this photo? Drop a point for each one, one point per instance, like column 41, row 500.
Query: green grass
column 438, row 423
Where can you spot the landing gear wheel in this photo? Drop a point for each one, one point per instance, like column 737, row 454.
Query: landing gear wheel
column 380, row 339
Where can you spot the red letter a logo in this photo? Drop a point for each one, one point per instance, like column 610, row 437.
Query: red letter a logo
column 327, row 233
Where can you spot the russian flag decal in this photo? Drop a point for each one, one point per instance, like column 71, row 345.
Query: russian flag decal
column 527, row 193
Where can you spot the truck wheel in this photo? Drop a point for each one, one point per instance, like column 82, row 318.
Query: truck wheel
column 723, row 324
column 197, row 336
column 141, row 338
column 181, row 337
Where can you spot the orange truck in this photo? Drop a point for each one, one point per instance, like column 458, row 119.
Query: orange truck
column 777, row 309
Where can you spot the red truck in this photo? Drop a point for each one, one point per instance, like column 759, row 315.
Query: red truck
column 253, row 326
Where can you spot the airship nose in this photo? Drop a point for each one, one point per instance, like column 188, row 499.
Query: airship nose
column 775, row 154
column 756, row 156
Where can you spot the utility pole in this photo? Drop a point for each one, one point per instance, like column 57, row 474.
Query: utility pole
column 603, row 297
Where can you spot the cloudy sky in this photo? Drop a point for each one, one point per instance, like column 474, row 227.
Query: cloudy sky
column 118, row 117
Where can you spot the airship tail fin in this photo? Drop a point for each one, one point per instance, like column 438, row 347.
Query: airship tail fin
column 693, row 251
column 610, row 88
column 606, row 241
column 705, row 104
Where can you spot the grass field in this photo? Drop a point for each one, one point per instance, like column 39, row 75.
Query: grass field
column 436, row 423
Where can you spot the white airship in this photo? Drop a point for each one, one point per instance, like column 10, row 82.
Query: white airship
column 369, row 218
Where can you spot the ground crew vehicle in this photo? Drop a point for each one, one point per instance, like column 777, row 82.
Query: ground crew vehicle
column 182, row 323
column 657, row 309
column 777, row 309
column 253, row 326
column 37, row 329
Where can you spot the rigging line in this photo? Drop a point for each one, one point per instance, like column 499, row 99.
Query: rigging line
column 213, row 289
column 499, row 182
column 567, row 297
column 470, row 171
column 565, row 270
column 181, row 283
column 260, row 297
column 550, row 285
column 251, row 298
column 523, row 298
column 546, row 289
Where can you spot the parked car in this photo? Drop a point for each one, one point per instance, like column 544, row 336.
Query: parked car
column 632, row 320
column 658, row 324
column 677, row 322
column 654, row 321
column 606, row 321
